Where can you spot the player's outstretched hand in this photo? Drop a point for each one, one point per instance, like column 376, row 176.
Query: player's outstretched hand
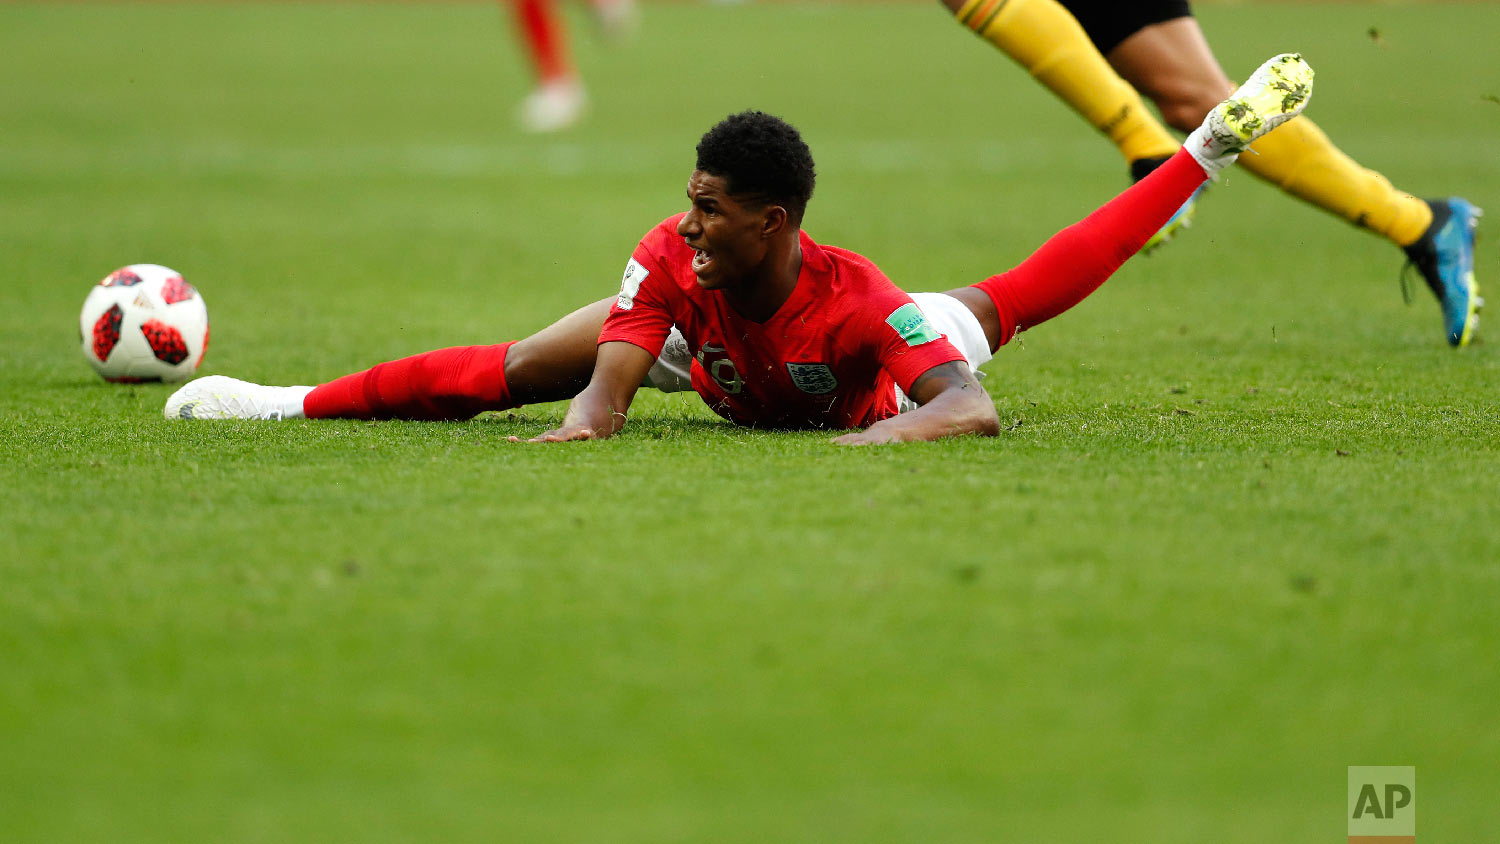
column 870, row 436
column 567, row 433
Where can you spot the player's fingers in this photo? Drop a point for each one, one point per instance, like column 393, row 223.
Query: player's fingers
column 562, row 435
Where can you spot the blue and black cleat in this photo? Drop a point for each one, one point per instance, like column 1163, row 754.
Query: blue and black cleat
column 1444, row 255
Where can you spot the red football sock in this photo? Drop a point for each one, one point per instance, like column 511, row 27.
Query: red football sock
column 542, row 29
column 1075, row 261
column 454, row 383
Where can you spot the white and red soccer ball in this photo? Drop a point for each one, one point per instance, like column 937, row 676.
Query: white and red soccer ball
column 144, row 323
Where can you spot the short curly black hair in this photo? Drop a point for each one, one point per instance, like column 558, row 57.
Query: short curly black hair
column 762, row 156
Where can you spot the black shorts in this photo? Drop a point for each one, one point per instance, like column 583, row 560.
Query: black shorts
column 1108, row 23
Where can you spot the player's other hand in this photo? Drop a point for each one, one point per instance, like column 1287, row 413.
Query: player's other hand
column 869, row 436
column 567, row 433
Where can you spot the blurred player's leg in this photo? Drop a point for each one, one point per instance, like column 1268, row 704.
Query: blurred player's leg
column 559, row 99
column 617, row 19
column 1172, row 64
column 1046, row 40
column 1303, row 162
column 1075, row 261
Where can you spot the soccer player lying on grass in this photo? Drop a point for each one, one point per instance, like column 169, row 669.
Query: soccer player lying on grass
column 732, row 299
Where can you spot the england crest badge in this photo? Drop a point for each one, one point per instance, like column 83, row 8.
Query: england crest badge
column 814, row 378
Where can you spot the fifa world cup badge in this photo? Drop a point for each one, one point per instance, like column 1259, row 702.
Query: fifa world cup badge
column 630, row 284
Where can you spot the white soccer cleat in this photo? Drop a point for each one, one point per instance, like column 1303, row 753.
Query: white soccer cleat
column 1274, row 94
column 221, row 397
column 554, row 106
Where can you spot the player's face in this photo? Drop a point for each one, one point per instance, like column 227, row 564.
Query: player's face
column 728, row 234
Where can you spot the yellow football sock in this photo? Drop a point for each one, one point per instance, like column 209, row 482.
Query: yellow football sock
column 1049, row 42
column 1299, row 159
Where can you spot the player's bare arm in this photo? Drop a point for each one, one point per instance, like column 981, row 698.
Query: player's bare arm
column 599, row 411
column 953, row 404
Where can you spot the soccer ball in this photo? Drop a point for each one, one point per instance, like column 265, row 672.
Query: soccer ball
column 144, row 323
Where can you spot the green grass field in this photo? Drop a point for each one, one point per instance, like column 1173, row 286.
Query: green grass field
column 1238, row 535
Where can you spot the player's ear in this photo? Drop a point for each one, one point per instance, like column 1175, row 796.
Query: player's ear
column 773, row 220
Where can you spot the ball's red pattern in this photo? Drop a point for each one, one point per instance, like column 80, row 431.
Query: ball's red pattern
column 166, row 341
column 107, row 332
column 122, row 278
column 175, row 290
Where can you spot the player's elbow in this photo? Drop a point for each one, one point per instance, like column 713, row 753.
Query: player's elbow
column 954, row 404
column 975, row 412
column 986, row 420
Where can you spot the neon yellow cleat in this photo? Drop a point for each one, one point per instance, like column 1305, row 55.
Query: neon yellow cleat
column 1274, row 94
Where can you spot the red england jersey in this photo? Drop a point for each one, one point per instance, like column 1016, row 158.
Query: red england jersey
column 828, row 358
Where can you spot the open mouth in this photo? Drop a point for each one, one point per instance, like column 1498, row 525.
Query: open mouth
column 701, row 261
